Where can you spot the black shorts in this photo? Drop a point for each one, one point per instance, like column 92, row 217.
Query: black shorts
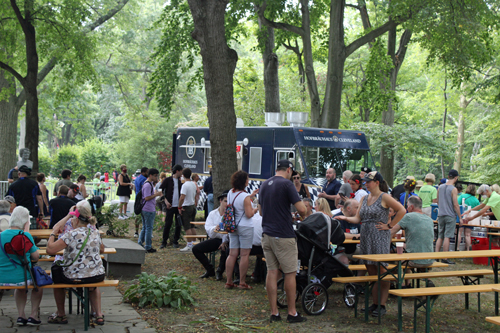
column 58, row 276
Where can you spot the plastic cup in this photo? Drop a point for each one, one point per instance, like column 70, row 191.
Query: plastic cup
column 496, row 223
column 399, row 234
column 399, row 247
column 221, row 226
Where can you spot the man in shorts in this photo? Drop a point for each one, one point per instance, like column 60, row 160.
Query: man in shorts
column 187, row 206
column 278, row 237
column 448, row 211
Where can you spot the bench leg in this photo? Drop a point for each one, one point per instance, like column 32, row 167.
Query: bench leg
column 379, row 293
column 495, row 269
column 415, row 308
column 70, row 302
column 400, row 300
column 86, row 310
column 428, row 315
column 367, row 298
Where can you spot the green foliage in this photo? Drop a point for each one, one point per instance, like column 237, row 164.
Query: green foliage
column 95, row 157
column 68, row 157
column 172, row 290
column 108, row 218
column 45, row 164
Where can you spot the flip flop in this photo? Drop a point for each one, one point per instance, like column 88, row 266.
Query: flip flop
column 244, row 286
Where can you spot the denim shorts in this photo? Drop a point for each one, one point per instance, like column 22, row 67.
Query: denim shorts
column 242, row 238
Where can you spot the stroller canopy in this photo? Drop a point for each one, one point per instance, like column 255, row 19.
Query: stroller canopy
column 320, row 229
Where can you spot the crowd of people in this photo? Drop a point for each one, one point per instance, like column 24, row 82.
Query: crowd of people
column 361, row 204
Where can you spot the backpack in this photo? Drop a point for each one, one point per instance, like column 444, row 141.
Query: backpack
column 19, row 245
column 228, row 222
column 139, row 202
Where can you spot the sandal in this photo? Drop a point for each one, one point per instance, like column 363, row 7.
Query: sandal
column 229, row 285
column 55, row 319
column 99, row 320
column 244, row 286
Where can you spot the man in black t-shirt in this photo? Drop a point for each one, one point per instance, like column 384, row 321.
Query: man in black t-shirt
column 24, row 191
column 60, row 206
column 278, row 237
column 397, row 190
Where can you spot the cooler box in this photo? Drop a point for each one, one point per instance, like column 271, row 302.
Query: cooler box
column 435, row 210
column 482, row 243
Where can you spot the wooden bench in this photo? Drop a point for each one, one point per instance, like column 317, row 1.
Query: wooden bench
column 53, row 258
column 84, row 298
column 194, row 237
column 493, row 320
column 429, row 300
column 372, row 279
column 436, row 264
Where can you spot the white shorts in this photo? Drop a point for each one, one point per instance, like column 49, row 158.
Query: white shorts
column 124, row 199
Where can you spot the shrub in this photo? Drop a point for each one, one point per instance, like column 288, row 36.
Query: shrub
column 172, row 290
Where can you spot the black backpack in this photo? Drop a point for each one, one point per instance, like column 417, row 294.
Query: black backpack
column 139, row 202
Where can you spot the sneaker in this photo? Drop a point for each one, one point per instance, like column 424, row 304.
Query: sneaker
column 430, row 284
column 162, row 246
column 21, row 321
column 151, row 250
column 370, row 308
column 275, row 318
column 33, row 322
column 447, row 261
column 175, row 246
column 121, row 217
column 383, row 311
column 136, row 235
column 186, row 249
column 295, row 319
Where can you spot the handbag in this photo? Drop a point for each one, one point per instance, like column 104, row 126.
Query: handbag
column 40, row 276
column 57, row 271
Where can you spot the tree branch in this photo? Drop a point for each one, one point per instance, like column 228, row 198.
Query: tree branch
column 12, row 71
column 353, row 6
column 20, row 17
column 277, row 25
column 370, row 36
column 107, row 16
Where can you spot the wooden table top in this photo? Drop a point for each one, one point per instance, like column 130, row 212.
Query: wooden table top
column 221, row 232
column 427, row 255
column 494, row 233
column 45, row 233
column 107, row 250
column 198, row 223
column 357, row 241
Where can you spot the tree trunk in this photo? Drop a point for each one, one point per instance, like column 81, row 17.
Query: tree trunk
column 461, row 130
column 445, row 115
column 387, row 157
column 309, row 64
column 271, row 79
column 22, row 133
column 8, row 118
column 219, row 63
column 330, row 117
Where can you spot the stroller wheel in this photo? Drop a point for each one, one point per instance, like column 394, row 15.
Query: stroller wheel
column 314, row 299
column 350, row 295
column 281, row 300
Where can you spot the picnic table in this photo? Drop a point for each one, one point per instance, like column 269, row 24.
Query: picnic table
column 400, row 259
column 45, row 233
column 357, row 241
column 198, row 223
column 108, row 250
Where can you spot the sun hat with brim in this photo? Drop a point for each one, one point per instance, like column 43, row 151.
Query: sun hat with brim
column 374, row 175
column 419, row 184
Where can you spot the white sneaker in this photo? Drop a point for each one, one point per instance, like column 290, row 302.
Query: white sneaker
column 121, row 217
column 136, row 235
column 187, row 249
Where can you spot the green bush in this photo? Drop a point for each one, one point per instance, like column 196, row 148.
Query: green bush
column 172, row 290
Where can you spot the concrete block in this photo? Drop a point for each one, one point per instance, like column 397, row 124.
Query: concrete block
column 127, row 260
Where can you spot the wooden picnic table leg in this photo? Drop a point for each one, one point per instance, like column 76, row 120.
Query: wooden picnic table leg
column 70, row 301
column 415, row 312
column 495, row 270
column 367, row 299
column 456, row 237
column 400, row 300
column 428, row 315
column 379, row 286
column 489, row 245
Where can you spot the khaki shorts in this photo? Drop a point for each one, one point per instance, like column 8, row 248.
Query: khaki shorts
column 188, row 215
column 427, row 211
column 280, row 252
column 446, row 226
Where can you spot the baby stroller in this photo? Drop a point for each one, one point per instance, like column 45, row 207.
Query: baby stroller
column 319, row 264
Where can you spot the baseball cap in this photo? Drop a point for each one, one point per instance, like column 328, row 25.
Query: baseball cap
column 223, row 195
column 453, row 173
column 10, row 199
column 284, row 164
column 366, row 170
column 374, row 175
column 25, row 169
column 75, row 187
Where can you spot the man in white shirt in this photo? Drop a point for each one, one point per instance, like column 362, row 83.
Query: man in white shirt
column 216, row 242
column 187, row 206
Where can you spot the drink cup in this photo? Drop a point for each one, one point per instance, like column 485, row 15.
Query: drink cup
column 399, row 234
column 399, row 247
column 496, row 223
column 221, row 226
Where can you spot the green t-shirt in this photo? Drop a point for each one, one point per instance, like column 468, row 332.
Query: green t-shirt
column 419, row 234
column 494, row 202
column 470, row 200
column 427, row 193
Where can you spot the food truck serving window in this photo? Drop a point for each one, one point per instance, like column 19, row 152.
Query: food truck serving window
column 318, row 160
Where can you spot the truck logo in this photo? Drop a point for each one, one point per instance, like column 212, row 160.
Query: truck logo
column 190, row 151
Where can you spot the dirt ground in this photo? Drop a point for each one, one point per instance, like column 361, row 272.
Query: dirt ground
column 224, row 310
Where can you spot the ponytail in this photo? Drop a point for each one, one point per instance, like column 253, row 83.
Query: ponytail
column 383, row 186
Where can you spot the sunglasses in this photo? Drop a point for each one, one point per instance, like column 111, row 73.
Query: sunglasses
column 298, row 177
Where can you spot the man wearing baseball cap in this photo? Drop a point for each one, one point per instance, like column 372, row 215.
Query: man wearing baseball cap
column 22, row 191
column 448, row 211
column 278, row 237
column 12, row 201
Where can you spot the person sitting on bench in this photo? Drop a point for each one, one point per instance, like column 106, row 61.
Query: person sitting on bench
column 13, row 275
column 217, row 241
column 81, row 260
